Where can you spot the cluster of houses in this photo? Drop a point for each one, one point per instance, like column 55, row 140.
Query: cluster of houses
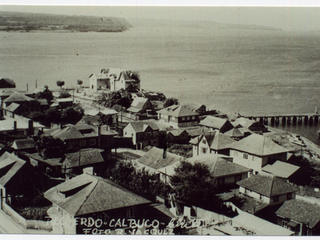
column 252, row 172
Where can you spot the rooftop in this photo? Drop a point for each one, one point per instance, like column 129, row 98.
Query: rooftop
column 258, row 145
column 17, row 97
column 178, row 111
column 281, row 169
column 22, row 123
column 267, row 185
column 9, row 166
column 82, row 158
column 21, row 144
column 300, row 211
column 87, row 194
column 141, row 126
column 214, row 122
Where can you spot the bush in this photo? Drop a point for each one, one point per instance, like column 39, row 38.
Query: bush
column 34, row 213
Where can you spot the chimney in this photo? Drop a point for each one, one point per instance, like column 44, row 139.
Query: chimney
column 99, row 130
column 60, row 125
column 30, row 127
column 14, row 125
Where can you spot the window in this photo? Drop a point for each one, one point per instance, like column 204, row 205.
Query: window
column 155, row 134
column 93, row 142
column 83, row 143
column 245, row 156
column 204, row 150
column 276, row 199
column 125, row 133
column 183, row 118
column 289, row 196
column 204, row 141
column 188, row 118
column 193, row 117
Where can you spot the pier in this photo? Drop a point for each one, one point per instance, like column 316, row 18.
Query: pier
column 286, row 119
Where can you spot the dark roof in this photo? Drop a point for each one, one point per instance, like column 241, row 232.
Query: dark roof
column 267, row 185
column 83, row 157
column 154, row 158
column 176, row 132
column 23, row 144
column 49, row 161
column 178, row 111
column 141, row 126
column 258, row 145
column 87, row 194
column 7, row 83
column 218, row 165
column 300, row 211
column 9, row 165
column 12, row 107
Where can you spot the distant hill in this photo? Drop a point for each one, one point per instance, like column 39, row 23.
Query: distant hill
column 14, row 21
column 194, row 24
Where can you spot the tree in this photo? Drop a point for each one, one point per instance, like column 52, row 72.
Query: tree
column 170, row 101
column 72, row 114
column 105, row 119
column 49, row 147
column 46, row 94
column 194, row 185
column 79, row 82
column 60, row 83
column 64, row 94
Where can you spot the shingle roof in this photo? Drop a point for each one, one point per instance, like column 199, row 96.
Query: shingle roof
column 11, row 164
column 218, row 165
column 281, row 169
column 91, row 194
column 178, row 111
column 267, row 185
column 23, row 144
column 17, row 97
column 235, row 132
column 83, row 157
column 300, row 211
column 215, row 139
column 214, row 122
column 154, row 158
column 141, row 126
column 258, row 145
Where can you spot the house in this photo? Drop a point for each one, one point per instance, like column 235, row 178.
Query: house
column 300, row 216
column 238, row 133
column 75, row 162
column 198, row 108
column 280, row 169
column 212, row 142
column 87, row 199
column 92, row 115
column 62, row 102
column 51, row 166
column 20, row 127
column 115, row 79
column 177, row 136
column 223, row 171
column 256, row 151
column 7, row 83
column 83, row 136
column 18, row 180
column 267, row 188
column 140, row 106
column 11, row 110
column 178, row 116
column 143, row 133
column 223, row 125
column 17, row 97
column 158, row 162
column 25, row 145
column 252, row 125
column 196, row 131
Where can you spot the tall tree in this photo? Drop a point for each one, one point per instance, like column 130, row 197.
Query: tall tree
column 60, row 83
column 170, row 101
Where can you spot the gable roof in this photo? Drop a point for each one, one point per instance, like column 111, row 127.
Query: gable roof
column 154, row 158
column 17, row 97
column 219, row 165
column 23, row 144
column 82, row 158
column 176, row 132
column 86, row 194
column 246, row 123
column 178, row 111
column 267, row 185
column 141, row 126
column 215, row 140
column 49, row 161
column 194, row 106
column 235, row 132
column 281, row 169
column 258, row 145
column 215, row 122
column 300, row 211
column 11, row 164
column 12, row 107
column 7, row 83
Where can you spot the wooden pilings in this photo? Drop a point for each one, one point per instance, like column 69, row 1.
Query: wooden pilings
column 287, row 120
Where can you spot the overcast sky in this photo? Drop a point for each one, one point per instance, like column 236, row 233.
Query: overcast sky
column 287, row 18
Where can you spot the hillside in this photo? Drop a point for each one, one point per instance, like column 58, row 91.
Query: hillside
column 14, row 21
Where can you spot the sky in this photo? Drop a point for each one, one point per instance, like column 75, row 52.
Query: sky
column 290, row 15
